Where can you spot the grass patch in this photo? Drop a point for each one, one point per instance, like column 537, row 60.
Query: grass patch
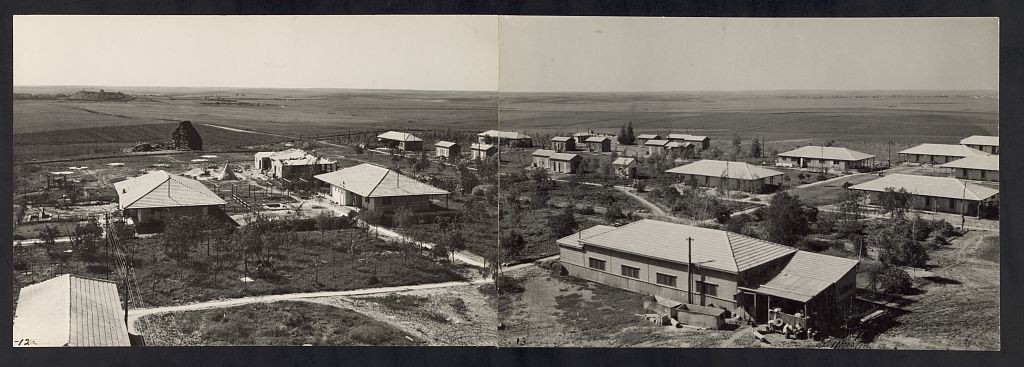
column 278, row 323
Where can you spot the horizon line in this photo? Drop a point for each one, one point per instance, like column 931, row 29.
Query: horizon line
column 498, row 91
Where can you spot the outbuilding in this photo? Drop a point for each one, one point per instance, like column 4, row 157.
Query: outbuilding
column 447, row 149
column 482, row 151
column 400, row 141
column 564, row 162
column 700, row 142
column 625, row 167
column 505, row 138
column 293, row 164
column 599, row 144
column 563, row 143
column 642, row 139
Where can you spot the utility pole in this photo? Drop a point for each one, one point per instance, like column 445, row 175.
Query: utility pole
column 689, row 270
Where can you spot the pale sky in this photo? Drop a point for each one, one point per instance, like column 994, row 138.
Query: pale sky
column 535, row 53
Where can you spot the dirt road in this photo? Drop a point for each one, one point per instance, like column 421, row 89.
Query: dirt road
column 248, row 131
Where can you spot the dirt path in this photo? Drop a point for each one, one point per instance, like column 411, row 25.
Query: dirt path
column 656, row 210
column 247, row 131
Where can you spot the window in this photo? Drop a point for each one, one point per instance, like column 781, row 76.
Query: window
column 982, row 174
column 952, row 204
column 664, row 279
column 707, row 288
column 596, row 264
column 630, row 271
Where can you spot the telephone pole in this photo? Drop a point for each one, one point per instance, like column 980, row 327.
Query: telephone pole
column 689, row 270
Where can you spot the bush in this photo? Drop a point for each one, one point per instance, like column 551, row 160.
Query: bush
column 945, row 228
column 737, row 223
column 375, row 333
column 586, row 210
column 813, row 245
column 893, row 280
column 613, row 213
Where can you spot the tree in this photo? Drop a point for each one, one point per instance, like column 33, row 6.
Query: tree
column 402, row 218
column 894, row 202
column 755, row 148
column 613, row 213
column 563, row 223
column 737, row 145
column 513, row 244
column 540, row 199
column 630, row 134
column 786, row 219
column 178, row 237
column 323, row 222
column 623, row 138
column 88, row 238
column 894, row 280
column 467, row 179
column 49, row 236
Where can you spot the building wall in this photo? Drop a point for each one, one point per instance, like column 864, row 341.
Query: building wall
column 482, row 154
column 925, row 158
column 563, row 166
column 393, row 203
column 561, row 146
column 447, row 152
column 627, row 171
column 646, row 283
column 733, row 183
column 985, row 148
column 928, row 203
column 976, row 174
column 149, row 215
column 652, row 149
column 604, row 146
column 833, row 165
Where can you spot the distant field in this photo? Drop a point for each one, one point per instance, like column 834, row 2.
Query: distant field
column 865, row 121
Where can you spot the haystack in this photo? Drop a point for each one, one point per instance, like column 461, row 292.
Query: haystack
column 226, row 173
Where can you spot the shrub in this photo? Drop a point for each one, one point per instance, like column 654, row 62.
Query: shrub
column 813, row 245
column 737, row 223
column 586, row 210
column 904, row 252
column 893, row 280
column 375, row 333
column 613, row 213
column 945, row 228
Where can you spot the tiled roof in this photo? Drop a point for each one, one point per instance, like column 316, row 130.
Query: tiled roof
column 712, row 248
column 981, row 140
column 830, row 153
column 159, row 189
column 572, row 240
column 398, row 136
column 952, row 150
column 445, row 144
column 368, row 180
column 478, row 146
column 715, row 168
column 543, row 153
column 806, row 275
column 687, row 137
column 73, row 311
column 943, row 187
column 513, row 135
column 563, row 156
column 982, row 162
column 623, row 161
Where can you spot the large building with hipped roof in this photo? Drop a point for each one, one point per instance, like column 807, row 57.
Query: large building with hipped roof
column 744, row 275
column 821, row 157
column 153, row 198
column 374, row 187
column 731, row 175
column 937, row 194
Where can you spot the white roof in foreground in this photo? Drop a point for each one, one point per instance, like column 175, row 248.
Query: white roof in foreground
column 713, row 248
column 830, row 153
column 943, row 187
column 73, row 311
column 398, row 136
column 982, row 162
column 981, row 140
column 368, row 180
column 951, row 150
column 159, row 189
column 715, row 168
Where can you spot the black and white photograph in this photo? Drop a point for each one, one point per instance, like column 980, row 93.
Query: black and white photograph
column 506, row 181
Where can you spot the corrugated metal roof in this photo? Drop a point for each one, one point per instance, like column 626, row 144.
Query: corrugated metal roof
column 444, row 144
column 716, row 168
column 70, row 310
column 623, row 161
column 943, row 187
column 561, row 138
column 513, row 135
column 648, row 136
column 687, row 137
column 398, row 136
column 807, row 274
column 981, row 140
column 952, row 150
column 543, row 153
column 479, row 146
column 831, row 153
column 982, row 162
column 712, row 248
column 597, row 139
column 573, row 239
column 563, row 156
column 368, row 180
column 159, row 189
